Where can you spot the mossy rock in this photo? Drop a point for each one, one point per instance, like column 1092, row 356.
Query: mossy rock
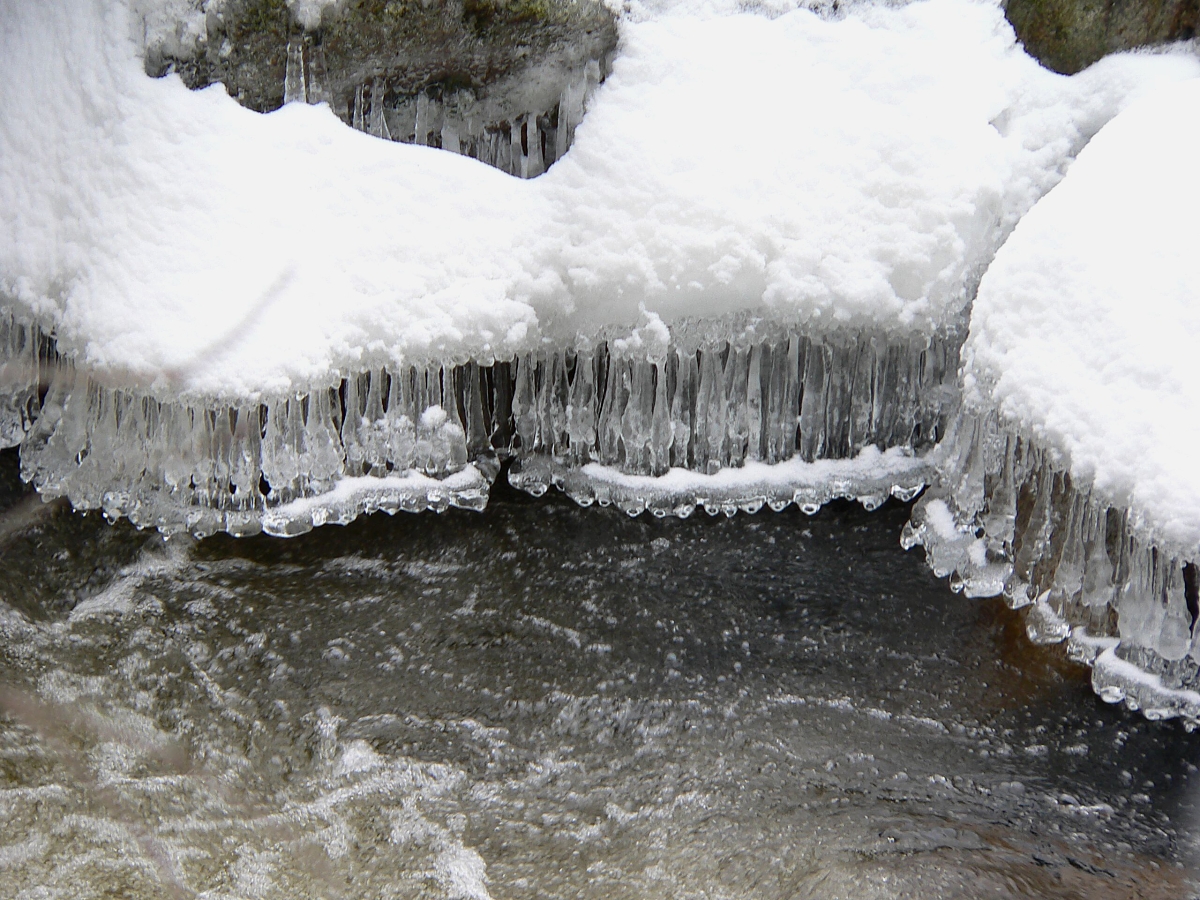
column 1069, row 35
column 410, row 44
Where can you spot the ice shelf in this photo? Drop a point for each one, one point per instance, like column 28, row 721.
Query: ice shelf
column 769, row 418
column 1006, row 518
column 701, row 421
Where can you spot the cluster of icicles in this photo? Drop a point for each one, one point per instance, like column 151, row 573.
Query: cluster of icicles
column 523, row 143
column 402, row 437
column 1002, row 517
column 1005, row 518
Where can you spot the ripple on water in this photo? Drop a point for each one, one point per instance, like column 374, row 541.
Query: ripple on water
column 543, row 701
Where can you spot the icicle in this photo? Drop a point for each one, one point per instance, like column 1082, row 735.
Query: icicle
column 533, row 163
column 358, row 118
column 581, row 409
column 517, row 161
column 351, row 425
column 450, row 139
column 839, row 375
column 476, row 425
column 1068, row 574
column 704, row 409
column 861, row 414
column 706, row 414
column 318, row 89
column 378, row 124
column 1136, row 612
column 1001, row 512
column 1175, row 634
column 502, row 407
column 682, row 405
column 661, row 428
column 1027, row 552
column 401, row 419
column 294, row 88
column 321, row 451
column 608, row 428
column 789, row 422
column 812, row 404
column 1098, row 570
column 375, row 423
column 737, row 427
column 421, row 135
column 19, row 377
column 760, row 359
column 453, row 434
column 558, row 392
column 524, row 404
column 635, row 422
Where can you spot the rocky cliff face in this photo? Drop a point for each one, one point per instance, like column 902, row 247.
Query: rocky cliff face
column 1069, row 35
column 403, row 46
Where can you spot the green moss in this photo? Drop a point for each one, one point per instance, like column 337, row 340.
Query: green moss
column 482, row 14
column 259, row 16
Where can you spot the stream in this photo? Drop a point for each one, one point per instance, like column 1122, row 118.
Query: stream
column 544, row 701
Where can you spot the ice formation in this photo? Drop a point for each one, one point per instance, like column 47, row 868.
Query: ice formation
column 746, row 283
column 601, row 421
column 1070, row 484
column 521, row 123
column 523, row 142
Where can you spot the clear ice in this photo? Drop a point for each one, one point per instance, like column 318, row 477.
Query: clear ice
column 579, row 418
column 522, row 142
column 1006, row 518
column 614, row 427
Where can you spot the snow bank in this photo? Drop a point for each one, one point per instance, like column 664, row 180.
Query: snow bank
column 1085, row 329
column 828, row 173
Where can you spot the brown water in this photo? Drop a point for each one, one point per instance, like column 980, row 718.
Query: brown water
column 545, row 701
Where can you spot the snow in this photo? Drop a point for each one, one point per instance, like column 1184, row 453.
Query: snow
column 869, row 477
column 792, row 474
column 830, row 172
column 1117, row 679
column 1085, row 329
column 412, row 491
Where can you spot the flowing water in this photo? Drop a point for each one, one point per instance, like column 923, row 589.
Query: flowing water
column 548, row 701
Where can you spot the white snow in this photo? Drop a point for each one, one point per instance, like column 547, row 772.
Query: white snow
column 823, row 171
column 1086, row 328
column 1117, row 679
column 349, row 496
column 870, row 465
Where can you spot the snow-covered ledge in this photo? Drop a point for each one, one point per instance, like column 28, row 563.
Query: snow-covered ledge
column 1071, row 483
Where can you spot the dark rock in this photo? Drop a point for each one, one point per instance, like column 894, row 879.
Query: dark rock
column 412, row 45
column 1069, row 35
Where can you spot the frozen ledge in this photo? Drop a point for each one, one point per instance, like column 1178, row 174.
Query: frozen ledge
column 1006, row 518
column 770, row 418
column 350, row 497
column 870, row 478
column 725, row 415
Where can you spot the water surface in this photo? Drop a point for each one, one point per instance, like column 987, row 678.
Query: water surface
column 542, row 701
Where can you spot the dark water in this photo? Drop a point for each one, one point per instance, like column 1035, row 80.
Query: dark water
column 544, row 701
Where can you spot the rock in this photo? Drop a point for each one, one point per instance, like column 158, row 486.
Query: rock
column 1069, row 35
